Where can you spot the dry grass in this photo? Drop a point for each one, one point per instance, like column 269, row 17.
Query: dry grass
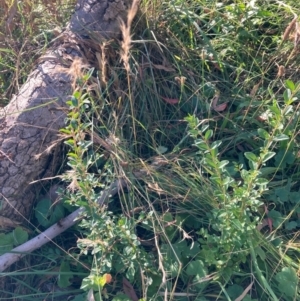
column 125, row 29
column 25, row 30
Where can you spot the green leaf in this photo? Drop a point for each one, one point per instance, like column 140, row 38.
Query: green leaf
column 261, row 181
column 192, row 121
column 223, row 163
column 291, row 225
column 208, row 134
column 70, row 142
column 289, row 109
column 234, row 291
column 216, row 144
column 121, row 297
column 268, row 156
column 294, row 197
column 88, row 74
column 196, row 267
column 74, row 101
column 130, row 273
column 128, row 251
column 173, row 269
column 251, row 157
column 261, row 253
column 209, row 162
column 275, row 108
column 66, row 131
column 290, row 85
column 204, row 127
column 201, row 144
column 287, row 282
column 57, row 214
column 281, row 137
column 282, row 194
column 20, row 236
column 77, row 94
column 253, row 165
column 161, row 149
column 263, row 134
column 248, row 298
column 64, row 275
column 73, row 115
column 80, row 297
column 287, row 95
column 74, row 123
column 170, row 230
column 168, row 217
column 276, row 217
column 47, row 214
column 6, row 242
column 73, row 155
column 193, row 250
column 42, row 210
column 284, row 157
column 277, row 242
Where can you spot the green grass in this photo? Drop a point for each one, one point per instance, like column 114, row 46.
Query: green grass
column 205, row 132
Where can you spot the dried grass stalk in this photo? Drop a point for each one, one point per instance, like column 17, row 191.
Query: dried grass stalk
column 289, row 28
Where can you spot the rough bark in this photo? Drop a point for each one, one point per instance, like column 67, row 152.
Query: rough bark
column 29, row 124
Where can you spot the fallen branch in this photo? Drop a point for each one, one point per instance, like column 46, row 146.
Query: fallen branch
column 17, row 253
column 30, row 145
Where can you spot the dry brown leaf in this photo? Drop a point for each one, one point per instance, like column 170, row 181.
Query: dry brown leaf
column 254, row 89
column 129, row 290
column 6, row 223
column 156, row 188
column 265, row 222
column 171, row 101
column 180, row 80
column 218, row 108
column 281, row 71
column 90, row 296
column 163, row 67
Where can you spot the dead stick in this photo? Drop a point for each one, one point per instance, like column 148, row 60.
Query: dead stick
column 17, row 253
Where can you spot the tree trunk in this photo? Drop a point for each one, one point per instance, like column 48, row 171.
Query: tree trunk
column 29, row 138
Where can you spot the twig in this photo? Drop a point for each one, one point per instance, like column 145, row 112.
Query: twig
column 17, row 253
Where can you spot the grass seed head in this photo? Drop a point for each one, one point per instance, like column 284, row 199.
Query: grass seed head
column 289, row 29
